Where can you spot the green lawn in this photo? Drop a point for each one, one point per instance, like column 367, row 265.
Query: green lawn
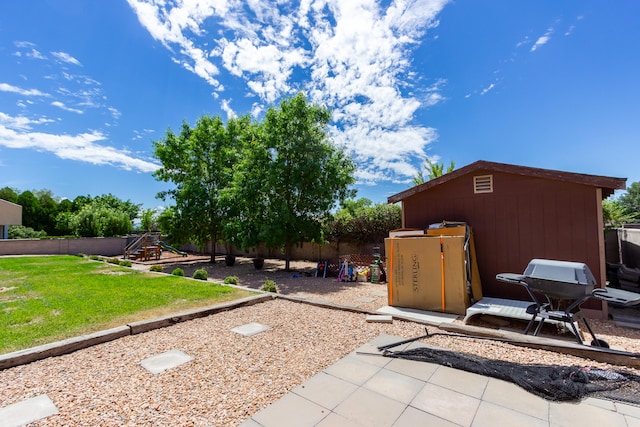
column 48, row 298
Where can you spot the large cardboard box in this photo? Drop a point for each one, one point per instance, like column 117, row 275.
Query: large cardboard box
column 448, row 228
column 428, row 273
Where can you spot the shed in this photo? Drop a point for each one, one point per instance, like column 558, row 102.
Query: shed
column 10, row 214
column 518, row 213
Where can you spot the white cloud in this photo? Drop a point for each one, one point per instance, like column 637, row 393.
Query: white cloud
column 542, row 40
column 83, row 147
column 360, row 68
column 35, row 54
column 487, row 89
column 5, row 87
column 256, row 109
column 140, row 134
column 23, row 44
column 21, row 122
column 226, row 107
column 523, row 42
column 114, row 112
column 62, row 106
column 65, row 57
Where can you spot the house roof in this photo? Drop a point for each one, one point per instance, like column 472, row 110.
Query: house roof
column 10, row 213
column 608, row 184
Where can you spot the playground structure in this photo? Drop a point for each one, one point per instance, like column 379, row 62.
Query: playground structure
column 148, row 246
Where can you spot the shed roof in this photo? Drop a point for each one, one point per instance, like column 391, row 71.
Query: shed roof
column 607, row 184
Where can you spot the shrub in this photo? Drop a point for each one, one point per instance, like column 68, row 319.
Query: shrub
column 269, row 286
column 80, row 255
column 156, row 268
column 115, row 261
column 94, row 257
column 125, row 263
column 178, row 272
column 200, row 274
column 231, row 280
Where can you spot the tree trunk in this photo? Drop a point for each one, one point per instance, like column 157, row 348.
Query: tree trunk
column 287, row 256
column 214, row 239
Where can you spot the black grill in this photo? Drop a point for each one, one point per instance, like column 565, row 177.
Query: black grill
column 565, row 286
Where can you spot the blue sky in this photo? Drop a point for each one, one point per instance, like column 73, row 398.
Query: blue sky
column 86, row 86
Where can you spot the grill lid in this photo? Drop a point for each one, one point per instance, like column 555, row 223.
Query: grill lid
column 560, row 271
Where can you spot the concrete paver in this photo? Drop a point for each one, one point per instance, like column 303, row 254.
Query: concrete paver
column 444, row 403
column 291, row 411
column 250, row 329
column 370, row 409
column 394, row 385
column 413, row 417
column 488, row 413
column 27, row 411
column 335, row 420
column 516, row 398
column 353, row 370
column 326, row 390
column 463, row 382
column 575, row 414
column 167, row 360
column 421, row 371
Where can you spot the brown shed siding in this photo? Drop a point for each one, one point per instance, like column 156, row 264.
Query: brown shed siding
column 523, row 218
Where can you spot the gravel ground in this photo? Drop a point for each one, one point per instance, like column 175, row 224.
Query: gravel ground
column 231, row 376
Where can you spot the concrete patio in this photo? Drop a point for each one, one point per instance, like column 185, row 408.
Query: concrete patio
column 364, row 389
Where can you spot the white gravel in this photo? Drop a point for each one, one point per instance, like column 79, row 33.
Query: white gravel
column 231, row 377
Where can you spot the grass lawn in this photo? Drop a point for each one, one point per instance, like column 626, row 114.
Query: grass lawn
column 48, row 298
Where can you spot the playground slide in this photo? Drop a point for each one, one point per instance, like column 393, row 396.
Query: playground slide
column 172, row 249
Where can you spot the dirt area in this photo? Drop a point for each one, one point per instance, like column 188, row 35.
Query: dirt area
column 300, row 281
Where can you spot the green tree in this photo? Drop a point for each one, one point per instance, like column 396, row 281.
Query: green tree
column 433, row 170
column 30, row 209
column 47, row 211
column 630, row 201
column 126, row 206
column 66, row 224
column 306, row 173
column 361, row 222
column 65, row 205
column 615, row 214
column 250, row 192
column 148, row 220
column 200, row 162
column 9, row 194
column 98, row 220
column 79, row 202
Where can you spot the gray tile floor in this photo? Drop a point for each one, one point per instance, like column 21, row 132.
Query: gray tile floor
column 374, row 391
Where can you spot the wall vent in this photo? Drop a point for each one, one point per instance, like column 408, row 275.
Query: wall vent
column 483, row 184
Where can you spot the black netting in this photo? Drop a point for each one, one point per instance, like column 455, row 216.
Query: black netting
column 558, row 383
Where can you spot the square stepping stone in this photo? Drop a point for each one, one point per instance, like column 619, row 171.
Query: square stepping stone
column 27, row 411
column 167, row 360
column 250, row 329
column 379, row 318
column 379, row 294
column 430, row 317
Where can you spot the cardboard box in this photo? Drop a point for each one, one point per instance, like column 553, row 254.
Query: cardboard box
column 427, row 273
column 472, row 271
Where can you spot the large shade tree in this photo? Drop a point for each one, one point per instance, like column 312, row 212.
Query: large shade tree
column 306, row 174
column 200, row 162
